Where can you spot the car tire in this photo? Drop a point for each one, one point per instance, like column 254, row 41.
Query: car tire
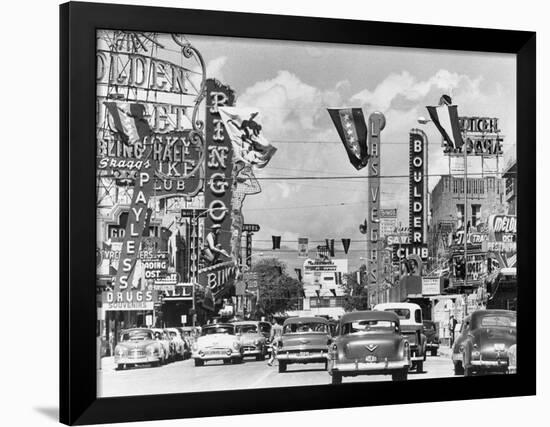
column 120, row 367
column 282, row 367
column 433, row 352
column 459, row 370
column 336, row 378
column 237, row 360
column 419, row 367
column 227, row 361
column 199, row 362
column 400, row 375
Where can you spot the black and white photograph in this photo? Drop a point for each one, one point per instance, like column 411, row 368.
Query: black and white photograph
column 277, row 213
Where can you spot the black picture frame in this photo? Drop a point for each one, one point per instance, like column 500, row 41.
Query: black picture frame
column 78, row 24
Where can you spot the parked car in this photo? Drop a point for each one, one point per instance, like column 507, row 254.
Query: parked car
column 304, row 340
column 512, row 359
column 253, row 337
column 429, row 329
column 138, row 346
column 177, row 342
column 369, row 343
column 217, row 342
column 163, row 337
column 410, row 319
column 484, row 342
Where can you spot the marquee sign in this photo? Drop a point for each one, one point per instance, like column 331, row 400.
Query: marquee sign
column 481, row 136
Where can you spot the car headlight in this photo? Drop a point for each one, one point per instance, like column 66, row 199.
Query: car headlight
column 195, row 347
column 152, row 349
column 476, row 354
column 256, row 342
column 236, row 345
column 120, row 351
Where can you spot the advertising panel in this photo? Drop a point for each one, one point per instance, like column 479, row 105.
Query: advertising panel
column 129, row 300
column 431, row 285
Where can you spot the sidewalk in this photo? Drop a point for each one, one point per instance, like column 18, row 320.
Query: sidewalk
column 107, row 363
column 445, row 351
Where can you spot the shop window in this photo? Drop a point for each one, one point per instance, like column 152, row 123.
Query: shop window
column 476, row 215
column 460, row 214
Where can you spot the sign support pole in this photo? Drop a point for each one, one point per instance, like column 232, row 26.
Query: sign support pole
column 464, row 225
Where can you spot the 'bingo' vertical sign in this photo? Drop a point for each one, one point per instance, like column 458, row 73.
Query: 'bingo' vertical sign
column 218, row 163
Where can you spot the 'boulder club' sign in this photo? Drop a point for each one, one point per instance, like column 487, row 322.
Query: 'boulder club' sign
column 417, row 187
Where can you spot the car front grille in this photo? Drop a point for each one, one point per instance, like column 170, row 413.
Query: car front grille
column 137, row 354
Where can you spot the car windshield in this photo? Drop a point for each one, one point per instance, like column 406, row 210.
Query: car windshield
column 498, row 321
column 429, row 326
column 137, row 336
column 306, row 327
column 368, row 326
column 218, row 330
column 246, row 329
column 402, row 313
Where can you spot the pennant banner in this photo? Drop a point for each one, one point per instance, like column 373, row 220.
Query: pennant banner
column 330, row 246
column 445, row 118
column 345, row 244
column 303, row 247
column 276, row 242
column 363, row 227
column 352, row 129
column 245, row 131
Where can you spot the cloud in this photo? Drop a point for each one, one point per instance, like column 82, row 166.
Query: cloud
column 405, row 86
column 215, row 66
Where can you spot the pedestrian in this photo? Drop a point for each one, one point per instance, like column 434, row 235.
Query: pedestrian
column 452, row 326
column 275, row 337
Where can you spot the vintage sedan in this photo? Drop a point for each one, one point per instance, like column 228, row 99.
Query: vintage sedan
column 410, row 319
column 429, row 329
column 253, row 337
column 138, row 346
column 369, row 343
column 217, row 342
column 483, row 343
column 304, row 340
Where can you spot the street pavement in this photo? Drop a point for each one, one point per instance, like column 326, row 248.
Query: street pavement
column 183, row 376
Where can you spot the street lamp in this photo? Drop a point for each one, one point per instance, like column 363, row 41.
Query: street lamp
column 423, row 120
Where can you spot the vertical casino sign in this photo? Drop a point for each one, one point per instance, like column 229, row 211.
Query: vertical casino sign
column 377, row 122
column 218, row 161
column 418, row 189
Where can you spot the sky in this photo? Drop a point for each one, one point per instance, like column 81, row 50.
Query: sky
column 292, row 84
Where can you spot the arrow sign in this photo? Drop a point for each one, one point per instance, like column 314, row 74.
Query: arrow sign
column 253, row 228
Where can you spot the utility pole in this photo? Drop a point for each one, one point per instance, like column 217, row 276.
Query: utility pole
column 464, row 225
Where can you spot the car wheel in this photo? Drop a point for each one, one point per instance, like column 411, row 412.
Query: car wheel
column 434, row 352
column 400, row 375
column 282, row 366
column 419, row 367
column 336, row 377
column 199, row 362
column 459, row 370
column 120, row 367
column 237, row 360
column 226, row 361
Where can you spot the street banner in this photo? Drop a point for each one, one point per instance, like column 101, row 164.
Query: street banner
column 352, row 129
column 345, row 244
column 276, row 242
column 303, row 247
column 298, row 272
column 445, row 118
column 245, row 131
